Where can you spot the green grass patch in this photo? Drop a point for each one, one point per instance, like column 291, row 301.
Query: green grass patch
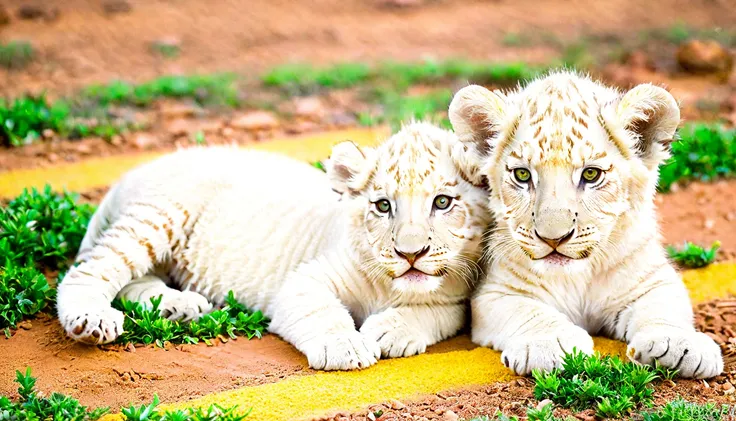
column 704, row 152
column 24, row 291
column 215, row 89
column 143, row 324
column 32, row 405
column 26, row 118
column 693, row 256
column 401, row 109
column 682, row 410
column 16, row 54
column 303, row 78
column 612, row 387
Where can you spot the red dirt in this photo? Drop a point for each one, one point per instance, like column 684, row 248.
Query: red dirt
column 84, row 45
column 118, row 377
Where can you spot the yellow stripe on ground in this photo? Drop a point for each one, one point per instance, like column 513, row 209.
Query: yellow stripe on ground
column 323, row 393
column 101, row 172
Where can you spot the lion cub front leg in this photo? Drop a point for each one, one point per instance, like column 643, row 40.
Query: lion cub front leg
column 308, row 313
column 530, row 334
column 409, row 330
column 658, row 328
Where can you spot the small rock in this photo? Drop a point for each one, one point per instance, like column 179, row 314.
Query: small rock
column 255, row 120
column 396, row 404
column 143, row 140
column 30, row 12
column 48, row 134
column 730, row 216
column 52, row 157
column 25, row 325
column 178, row 127
column 83, row 149
column 130, row 347
column 309, row 108
column 705, row 57
column 4, row 15
column 112, row 7
column 640, row 60
column 116, row 140
column 400, row 3
column 450, row 416
column 543, row 403
column 228, row 131
column 709, row 224
column 178, row 110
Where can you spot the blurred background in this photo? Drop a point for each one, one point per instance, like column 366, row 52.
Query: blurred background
column 150, row 73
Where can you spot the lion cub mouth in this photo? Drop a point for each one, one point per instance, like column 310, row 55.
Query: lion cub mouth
column 556, row 258
column 414, row 275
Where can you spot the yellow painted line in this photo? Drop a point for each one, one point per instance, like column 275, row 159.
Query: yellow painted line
column 101, row 172
column 323, row 393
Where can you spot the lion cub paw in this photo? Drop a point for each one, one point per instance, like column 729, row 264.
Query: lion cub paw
column 394, row 336
column 184, row 306
column 544, row 351
column 692, row 354
column 93, row 325
column 342, row 351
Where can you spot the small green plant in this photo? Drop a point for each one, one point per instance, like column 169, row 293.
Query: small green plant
column 144, row 324
column 33, row 406
column 694, row 256
column 199, row 138
column 704, row 152
column 216, row 89
column 431, row 106
column 16, row 54
column 24, row 292
column 606, row 383
column 682, row 410
column 43, row 228
column 516, row 39
column 319, row 165
column 214, row 413
column 165, row 48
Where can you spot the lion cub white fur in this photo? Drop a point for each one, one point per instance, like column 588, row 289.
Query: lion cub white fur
column 316, row 252
column 573, row 168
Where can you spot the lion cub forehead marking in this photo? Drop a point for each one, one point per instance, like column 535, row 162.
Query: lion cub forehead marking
column 409, row 162
column 559, row 123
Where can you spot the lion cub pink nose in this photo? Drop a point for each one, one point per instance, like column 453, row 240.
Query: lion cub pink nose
column 412, row 256
column 556, row 242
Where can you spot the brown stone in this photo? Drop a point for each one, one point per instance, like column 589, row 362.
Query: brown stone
column 703, row 57
column 171, row 111
column 255, row 120
column 30, row 12
column 310, row 108
column 4, row 15
column 143, row 140
column 112, row 7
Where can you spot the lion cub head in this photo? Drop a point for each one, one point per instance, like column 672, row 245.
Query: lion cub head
column 571, row 165
column 417, row 217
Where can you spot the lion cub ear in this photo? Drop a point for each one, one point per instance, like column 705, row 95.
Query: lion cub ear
column 350, row 167
column 476, row 114
column 650, row 115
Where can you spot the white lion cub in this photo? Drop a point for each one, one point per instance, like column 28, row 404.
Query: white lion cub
column 393, row 249
column 573, row 167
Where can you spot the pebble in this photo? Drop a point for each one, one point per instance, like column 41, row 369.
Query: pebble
column 310, row 108
column 143, row 140
column 112, row 7
column 255, row 120
column 396, row 404
column 172, row 111
column 25, row 325
column 704, row 57
column 450, row 416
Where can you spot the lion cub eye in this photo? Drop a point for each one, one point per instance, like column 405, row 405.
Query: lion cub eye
column 383, row 206
column 591, row 175
column 522, row 175
column 442, row 202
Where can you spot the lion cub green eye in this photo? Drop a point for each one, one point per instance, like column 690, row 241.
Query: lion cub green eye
column 522, row 175
column 383, row 206
column 442, row 202
column 591, row 175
